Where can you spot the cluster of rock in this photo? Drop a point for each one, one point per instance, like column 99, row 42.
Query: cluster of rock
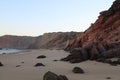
column 40, row 64
column 94, row 51
column 100, row 41
column 52, row 76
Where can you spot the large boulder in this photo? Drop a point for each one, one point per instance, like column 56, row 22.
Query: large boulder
column 52, row 76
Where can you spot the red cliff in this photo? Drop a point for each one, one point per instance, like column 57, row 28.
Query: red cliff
column 101, row 39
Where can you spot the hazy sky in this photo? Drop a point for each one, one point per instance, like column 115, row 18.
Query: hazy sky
column 35, row 17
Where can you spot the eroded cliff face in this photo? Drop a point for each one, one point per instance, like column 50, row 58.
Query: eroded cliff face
column 106, row 29
column 100, row 40
column 56, row 40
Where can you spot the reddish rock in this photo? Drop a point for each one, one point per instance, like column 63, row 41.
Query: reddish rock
column 101, row 39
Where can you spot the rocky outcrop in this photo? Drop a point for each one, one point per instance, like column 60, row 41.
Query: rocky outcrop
column 47, row 40
column 100, row 40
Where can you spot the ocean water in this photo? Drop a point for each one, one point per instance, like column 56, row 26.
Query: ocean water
column 8, row 51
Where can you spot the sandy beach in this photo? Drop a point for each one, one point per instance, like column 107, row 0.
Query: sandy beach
column 26, row 71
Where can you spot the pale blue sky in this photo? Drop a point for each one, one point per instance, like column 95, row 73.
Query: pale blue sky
column 35, row 17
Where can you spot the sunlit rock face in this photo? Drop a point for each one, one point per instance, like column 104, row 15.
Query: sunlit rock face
column 101, row 39
column 106, row 28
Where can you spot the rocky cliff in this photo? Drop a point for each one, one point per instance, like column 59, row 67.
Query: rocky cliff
column 101, row 39
column 47, row 40
column 56, row 40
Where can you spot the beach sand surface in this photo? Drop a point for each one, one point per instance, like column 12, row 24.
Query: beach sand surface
column 26, row 71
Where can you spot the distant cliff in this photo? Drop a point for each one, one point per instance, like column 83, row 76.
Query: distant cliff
column 48, row 40
column 21, row 42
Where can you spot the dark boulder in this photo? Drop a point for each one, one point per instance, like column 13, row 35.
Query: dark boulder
column 39, row 64
column 41, row 56
column 62, row 77
column 52, row 76
column 1, row 64
column 75, row 54
column 78, row 70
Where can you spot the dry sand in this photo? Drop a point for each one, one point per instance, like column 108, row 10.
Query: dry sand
column 27, row 71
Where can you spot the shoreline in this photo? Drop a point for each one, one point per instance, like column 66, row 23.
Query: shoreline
column 27, row 71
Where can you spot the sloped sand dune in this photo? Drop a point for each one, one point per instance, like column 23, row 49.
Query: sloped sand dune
column 26, row 70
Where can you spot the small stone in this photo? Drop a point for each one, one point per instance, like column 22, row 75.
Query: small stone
column 55, row 60
column 18, row 65
column 39, row 64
